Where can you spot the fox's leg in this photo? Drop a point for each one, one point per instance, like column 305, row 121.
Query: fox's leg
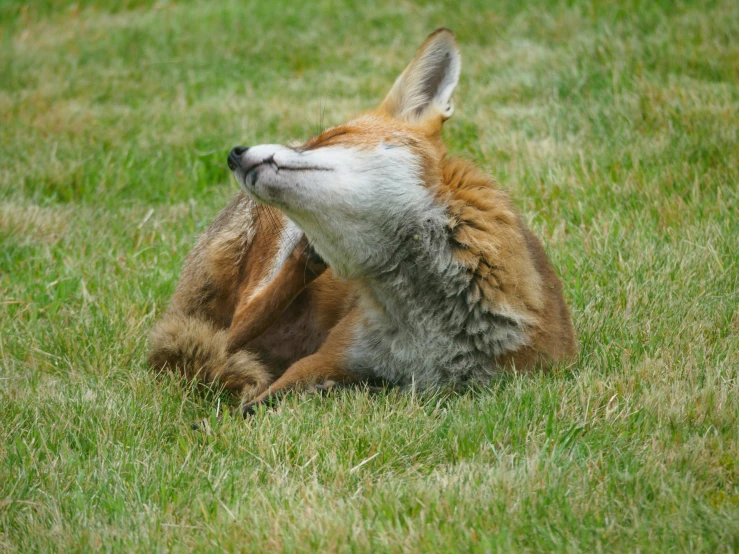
column 192, row 336
column 254, row 315
column 327, row 364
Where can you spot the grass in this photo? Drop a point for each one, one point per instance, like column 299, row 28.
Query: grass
column 613, row 124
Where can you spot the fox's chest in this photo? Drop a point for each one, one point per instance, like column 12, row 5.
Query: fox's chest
column 435, row 345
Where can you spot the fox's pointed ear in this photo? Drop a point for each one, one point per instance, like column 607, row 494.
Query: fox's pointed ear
column 424, row 89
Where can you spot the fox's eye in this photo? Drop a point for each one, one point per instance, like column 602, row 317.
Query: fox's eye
column 321, row 140
column 333, row 136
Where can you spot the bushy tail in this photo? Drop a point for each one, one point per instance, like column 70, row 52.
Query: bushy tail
column 197, row 349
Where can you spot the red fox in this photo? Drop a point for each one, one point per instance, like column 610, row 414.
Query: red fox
column 366, row 253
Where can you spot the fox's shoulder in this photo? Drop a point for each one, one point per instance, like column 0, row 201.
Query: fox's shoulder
column 490, row 240
column 507, row 262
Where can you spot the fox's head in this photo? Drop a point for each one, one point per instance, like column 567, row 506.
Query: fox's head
column 359, row 188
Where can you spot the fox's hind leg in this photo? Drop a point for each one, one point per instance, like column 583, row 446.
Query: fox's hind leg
column 222, row 302
column 191, row 338
column 254, row 314
column 199, row 349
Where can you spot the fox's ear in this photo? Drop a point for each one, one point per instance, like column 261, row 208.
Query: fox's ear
column 425, row 88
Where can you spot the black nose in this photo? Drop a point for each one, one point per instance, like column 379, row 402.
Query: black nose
column 234, row 157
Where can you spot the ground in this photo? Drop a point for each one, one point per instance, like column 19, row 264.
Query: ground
column 614, row 126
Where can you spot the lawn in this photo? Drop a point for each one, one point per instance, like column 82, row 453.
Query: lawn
column 615, row 127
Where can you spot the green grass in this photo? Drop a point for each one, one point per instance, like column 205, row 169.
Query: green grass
column 614, row 125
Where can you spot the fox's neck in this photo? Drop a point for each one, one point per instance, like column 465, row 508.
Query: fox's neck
column 424, row 323
column 419, row 275
column 445, row 274
column 422, row 288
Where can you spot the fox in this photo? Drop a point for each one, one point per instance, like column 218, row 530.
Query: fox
column 366, row 253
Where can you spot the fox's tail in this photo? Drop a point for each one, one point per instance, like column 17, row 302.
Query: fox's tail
column 197, row 349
